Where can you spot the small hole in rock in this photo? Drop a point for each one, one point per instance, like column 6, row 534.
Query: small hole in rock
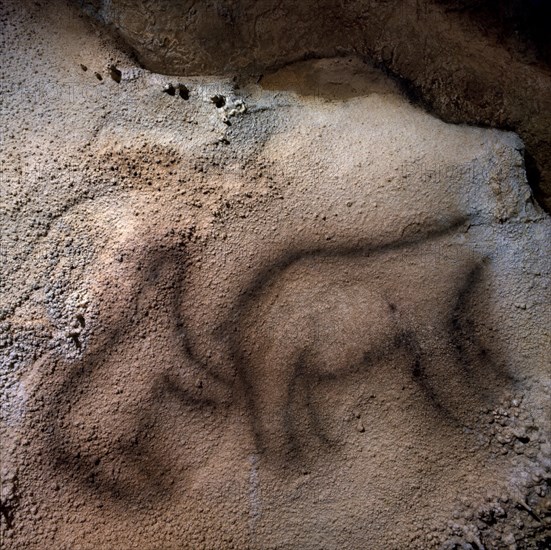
column 80, row 319
column 115, row 74
column 218, row 100
column 83, row 67
column 98, row 76
column 183, row 91
column 76, row 341
column 169, row 89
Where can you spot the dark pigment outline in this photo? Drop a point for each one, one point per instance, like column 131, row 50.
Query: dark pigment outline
column 165, row 275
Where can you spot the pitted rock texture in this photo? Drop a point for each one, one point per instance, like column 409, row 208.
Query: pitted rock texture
column 482, row 62
column 255, row 315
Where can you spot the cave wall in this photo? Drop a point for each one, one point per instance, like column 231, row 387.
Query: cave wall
column 296, row 311
column 483, row 63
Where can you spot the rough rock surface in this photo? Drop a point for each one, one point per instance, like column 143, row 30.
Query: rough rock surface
column 479, row 62
column 300, row 313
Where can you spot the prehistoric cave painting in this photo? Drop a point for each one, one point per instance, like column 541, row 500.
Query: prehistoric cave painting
column 146, row 405
column 317, row 318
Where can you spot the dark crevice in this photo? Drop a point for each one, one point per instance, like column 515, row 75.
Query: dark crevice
column 534, row 178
